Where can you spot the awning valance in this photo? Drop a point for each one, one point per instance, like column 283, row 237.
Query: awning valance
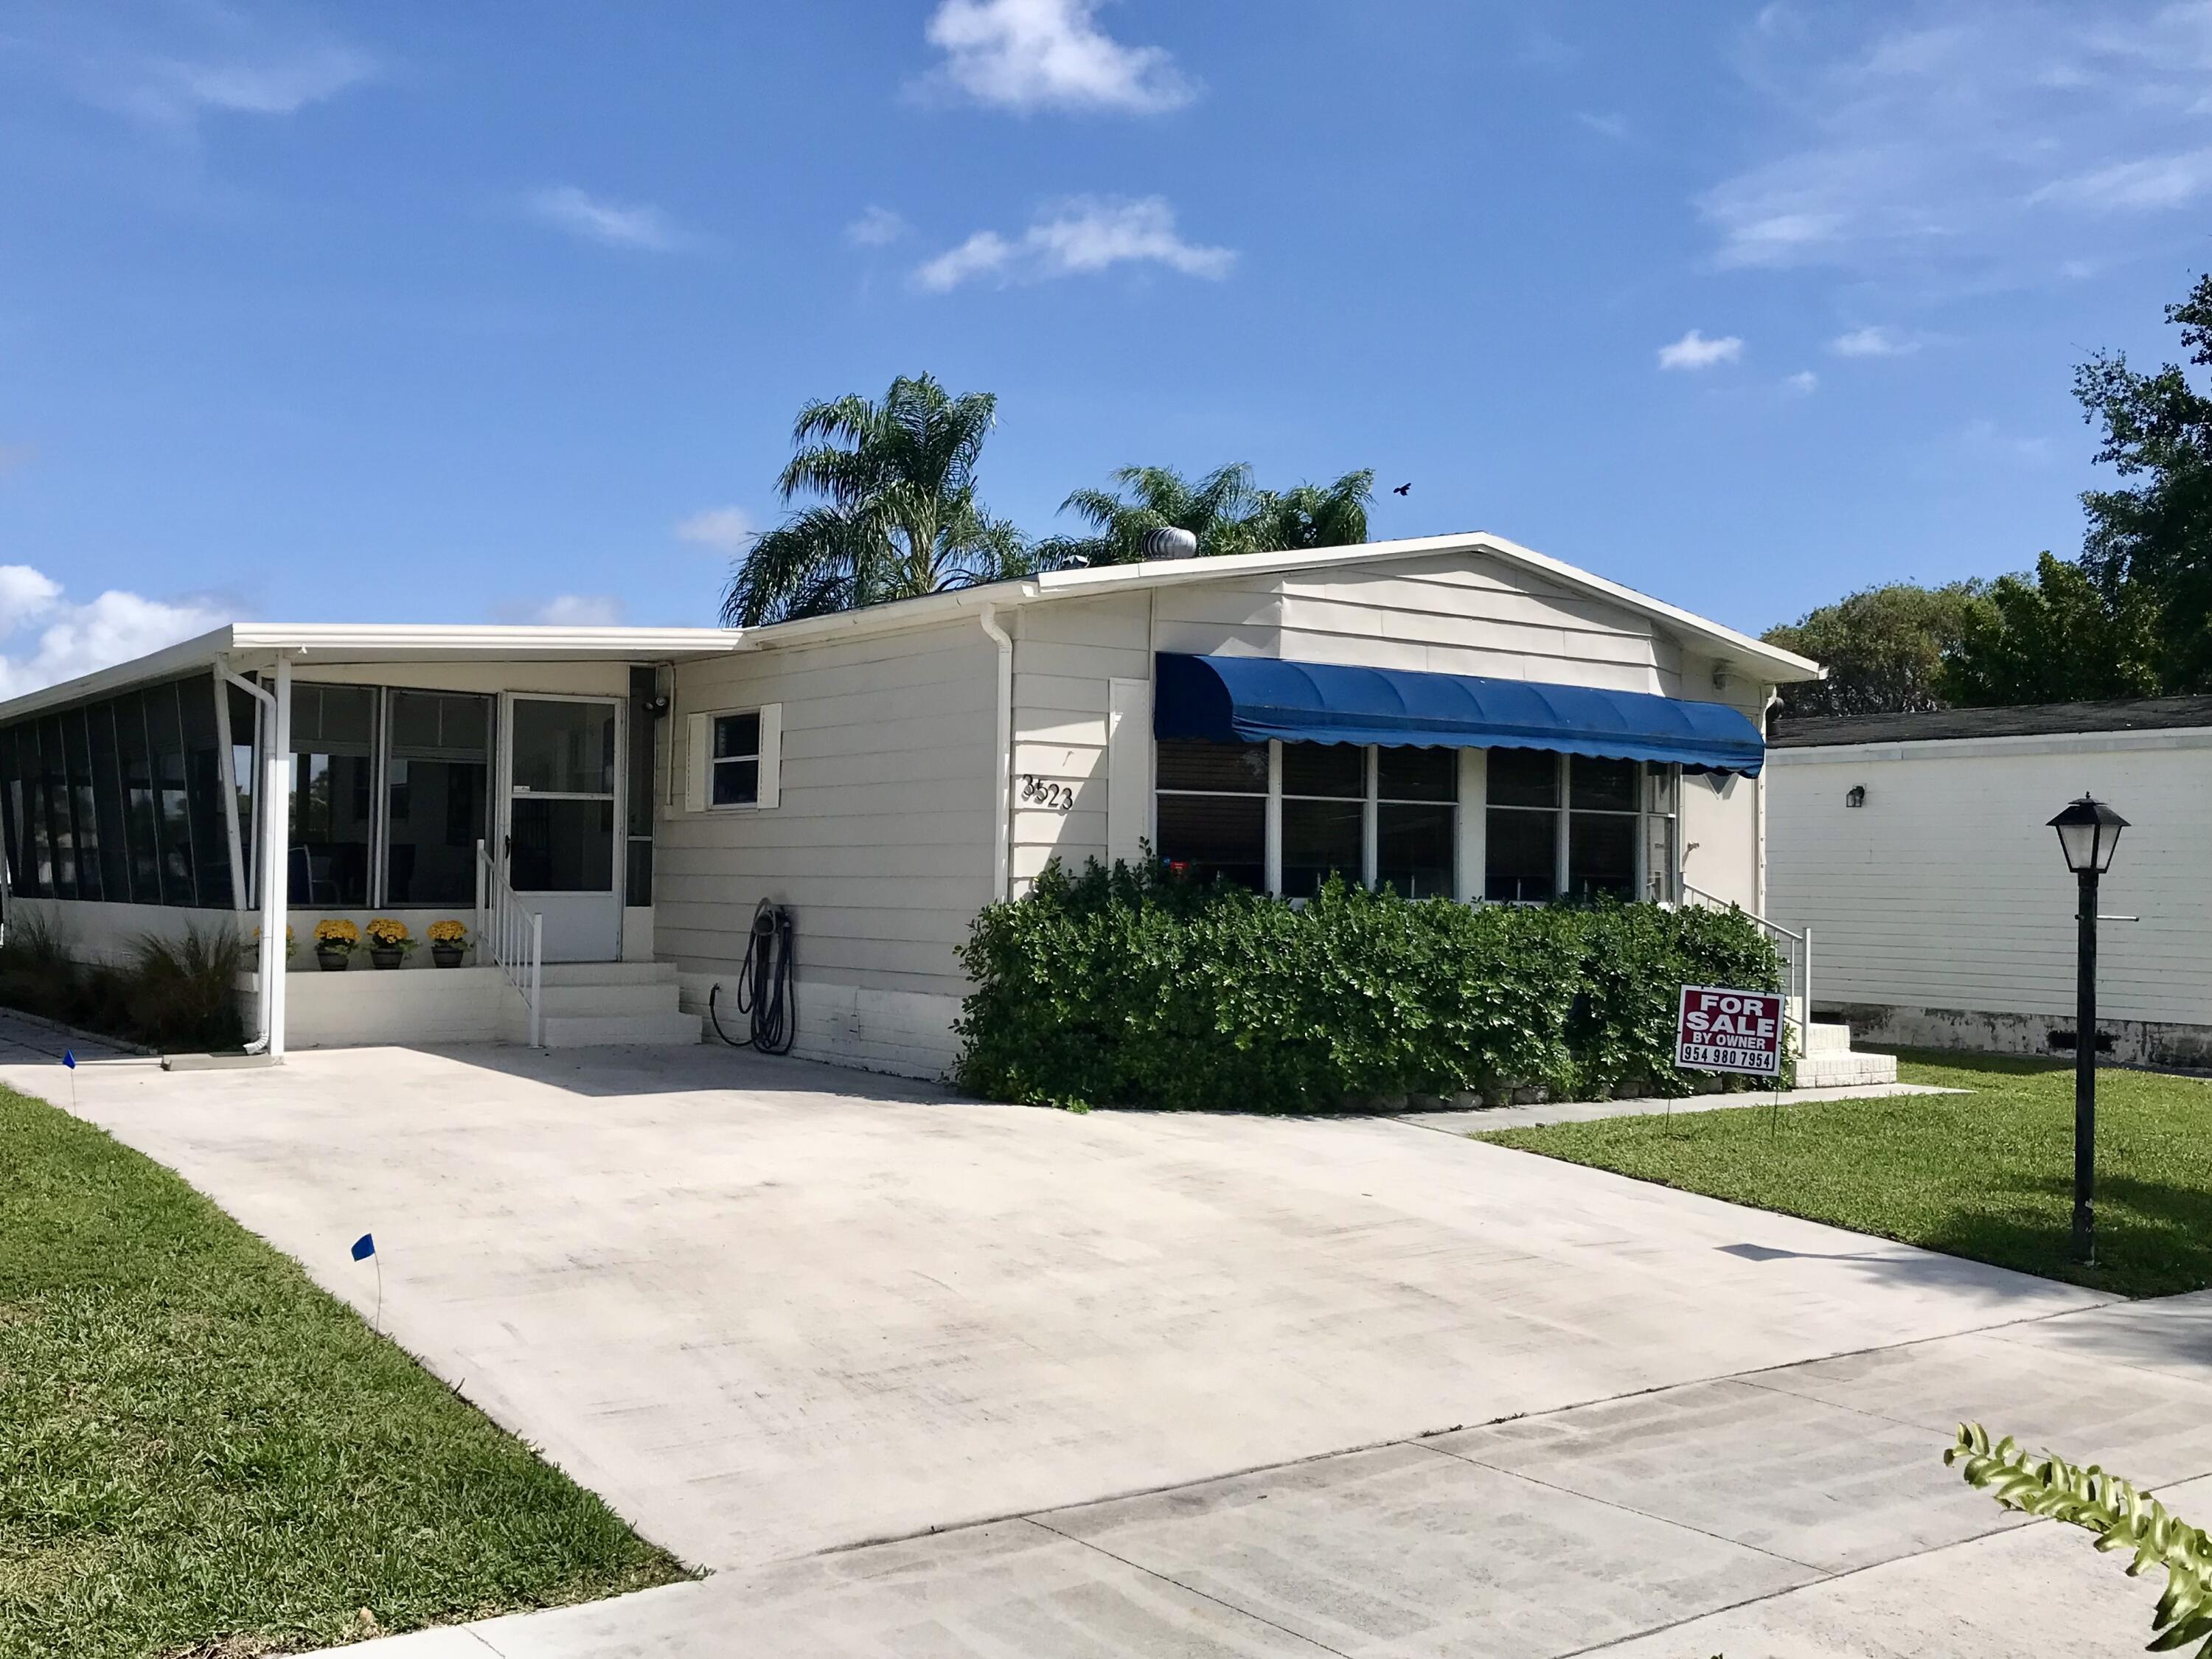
column 1251, row 699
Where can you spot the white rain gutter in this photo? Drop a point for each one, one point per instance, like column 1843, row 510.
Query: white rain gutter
column 1003, row 786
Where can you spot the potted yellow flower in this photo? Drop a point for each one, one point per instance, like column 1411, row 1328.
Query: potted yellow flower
column 448, row 941
column 335, row 943
column 388, row 943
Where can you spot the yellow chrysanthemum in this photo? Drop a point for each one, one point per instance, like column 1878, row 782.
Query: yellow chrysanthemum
column 386, row 931
column 448, row 932
column 339, row 932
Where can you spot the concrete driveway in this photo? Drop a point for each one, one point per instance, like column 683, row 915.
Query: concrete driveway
column 770, row 1310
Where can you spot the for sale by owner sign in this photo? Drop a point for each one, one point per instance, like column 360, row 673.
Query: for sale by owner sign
column 1738, row 1032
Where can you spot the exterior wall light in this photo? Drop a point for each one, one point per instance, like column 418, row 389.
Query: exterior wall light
column 2089, row 834
column 1856, row 796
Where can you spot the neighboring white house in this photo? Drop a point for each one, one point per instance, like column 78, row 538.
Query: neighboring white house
column 1916, row 848
column 1455, row 715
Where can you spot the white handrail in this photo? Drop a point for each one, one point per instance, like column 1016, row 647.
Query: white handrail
column 1796, row 950
column 514, row 938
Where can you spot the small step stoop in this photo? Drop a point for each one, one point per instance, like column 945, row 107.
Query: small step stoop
column 1829, row 1063
column 597, row 1004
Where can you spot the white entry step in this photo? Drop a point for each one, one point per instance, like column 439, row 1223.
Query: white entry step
column 598, row 1004
column 1828, row 1061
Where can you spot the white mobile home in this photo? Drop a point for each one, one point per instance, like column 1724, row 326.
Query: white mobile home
column 1457, row 716
column 1916, row 848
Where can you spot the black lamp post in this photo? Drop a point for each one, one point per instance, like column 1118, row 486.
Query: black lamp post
column 2089, row 832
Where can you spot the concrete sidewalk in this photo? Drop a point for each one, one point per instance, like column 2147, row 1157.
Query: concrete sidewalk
column 1799, row 1513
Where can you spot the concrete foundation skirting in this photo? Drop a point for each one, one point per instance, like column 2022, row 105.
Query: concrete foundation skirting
column 2124, row 1041
column 898, row 1033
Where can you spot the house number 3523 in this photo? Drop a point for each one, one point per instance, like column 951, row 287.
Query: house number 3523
column 1043, row 792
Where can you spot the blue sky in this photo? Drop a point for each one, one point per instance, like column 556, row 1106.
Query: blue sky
column 439, row 312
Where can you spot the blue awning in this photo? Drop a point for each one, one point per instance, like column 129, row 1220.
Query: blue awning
column 1251, row 699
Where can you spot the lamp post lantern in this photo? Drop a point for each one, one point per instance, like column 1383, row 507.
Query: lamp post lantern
column 2089, row 834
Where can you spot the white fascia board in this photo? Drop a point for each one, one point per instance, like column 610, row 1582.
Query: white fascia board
column 245, row 647
column 445, row 642
column 202, row 651
column 1759, row 660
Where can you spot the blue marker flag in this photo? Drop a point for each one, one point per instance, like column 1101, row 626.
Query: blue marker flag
column 69, row 1057
column 363, row 1248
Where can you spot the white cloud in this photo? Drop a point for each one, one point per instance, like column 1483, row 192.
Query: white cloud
column 577, row 610
column 1804, row 383
column 71, row 639
column 1967, row 143
column 1874, row 340
column 172, row 65
column 615, row 223
column 1693, row 351
column 876, row 227
column 724, row 529
column 1606, row 126
column 1075, row 237
column 1050, row 54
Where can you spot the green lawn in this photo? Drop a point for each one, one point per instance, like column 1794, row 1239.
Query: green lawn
column 1989, row 1174
column 202, row 1454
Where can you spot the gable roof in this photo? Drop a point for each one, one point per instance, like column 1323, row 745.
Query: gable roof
column 1758, row 659
column 367, row 642
column 2036, row 720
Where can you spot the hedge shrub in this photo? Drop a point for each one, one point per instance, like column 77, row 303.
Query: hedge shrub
column 1134, row 987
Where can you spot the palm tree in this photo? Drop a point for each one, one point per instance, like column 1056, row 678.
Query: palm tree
column 1223, row 509
column 898, row 515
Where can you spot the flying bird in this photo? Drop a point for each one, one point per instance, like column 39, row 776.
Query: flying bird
column 1403, row 490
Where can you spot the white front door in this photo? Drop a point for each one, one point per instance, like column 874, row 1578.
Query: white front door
column 560, row 814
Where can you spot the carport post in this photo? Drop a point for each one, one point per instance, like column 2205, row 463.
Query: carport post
column 274, row 850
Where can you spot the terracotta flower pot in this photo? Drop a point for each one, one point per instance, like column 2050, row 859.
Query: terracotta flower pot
column 333, row 961
column 447, row 956
column 387, row 955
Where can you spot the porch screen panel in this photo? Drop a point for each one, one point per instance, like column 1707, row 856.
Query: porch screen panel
column 165, row 735
column 61, row 825
column 22, row 877
column 333, row 759
column 437, row 796
column 76, row 763
column 205, row 808
column 142, row 821
column 107, row 799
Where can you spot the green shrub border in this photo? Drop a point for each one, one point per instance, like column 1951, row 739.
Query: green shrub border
column 1132, row 987
column 171, row 994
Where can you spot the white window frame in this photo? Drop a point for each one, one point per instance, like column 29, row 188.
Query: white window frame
column 699, row 769
column 1472, row 808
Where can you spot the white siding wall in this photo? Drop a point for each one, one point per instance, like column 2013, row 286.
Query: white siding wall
column 881, row 841
column 1456, row 614
column 1947, row 890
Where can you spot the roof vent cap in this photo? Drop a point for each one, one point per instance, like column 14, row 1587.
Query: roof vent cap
column 1171, row 542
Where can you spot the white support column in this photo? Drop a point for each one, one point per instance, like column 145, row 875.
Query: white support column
column 1370, row 816
column 1559, row 850
column 1271, row 858
column 226, row 763
column 1474, row 823
column 274, row 852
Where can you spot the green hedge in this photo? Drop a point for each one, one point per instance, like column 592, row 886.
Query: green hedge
column 1129, row 987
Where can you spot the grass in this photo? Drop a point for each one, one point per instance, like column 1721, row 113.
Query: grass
column 1987, row 1174
column 202, row 1454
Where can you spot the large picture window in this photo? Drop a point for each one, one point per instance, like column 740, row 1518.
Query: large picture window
column 1579, row 825
column 1285, row 817
column 437, row 796
column 1376, row 815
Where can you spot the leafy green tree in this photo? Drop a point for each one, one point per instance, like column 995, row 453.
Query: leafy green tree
column 1223, row 508
column 897, row 513
column 2152, row 540
column 2059, row 637
column 1884, row 647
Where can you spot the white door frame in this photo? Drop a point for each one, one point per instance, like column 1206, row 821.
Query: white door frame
column 570, row 919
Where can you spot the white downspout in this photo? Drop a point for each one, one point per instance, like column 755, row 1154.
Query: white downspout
column 1003, row 786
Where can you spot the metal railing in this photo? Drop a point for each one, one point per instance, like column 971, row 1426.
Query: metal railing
column 513, row 937
column 1796, row 950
